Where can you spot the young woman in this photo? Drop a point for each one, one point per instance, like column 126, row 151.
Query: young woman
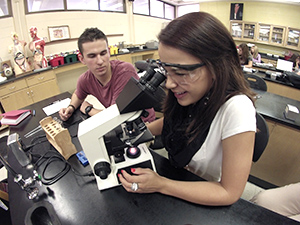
column 246, row 58
column 256, row 56
column 209, row 118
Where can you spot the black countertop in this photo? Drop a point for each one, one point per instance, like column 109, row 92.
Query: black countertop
column 76, row 199
column 272, row 107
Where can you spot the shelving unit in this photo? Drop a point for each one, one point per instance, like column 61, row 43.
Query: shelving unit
column 236, row 29
column 264, row 31
column 277, row 35
column 249, row 31
column 293, row 38
column 269, row 34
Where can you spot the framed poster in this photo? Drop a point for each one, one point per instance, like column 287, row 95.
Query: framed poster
column 236, row 11
column 59, row 33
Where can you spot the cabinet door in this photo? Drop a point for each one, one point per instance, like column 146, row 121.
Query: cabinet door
column 155, row 55
column 264, row 33
column 44, row 90
column 236, row 29
column 125, row 58
column 292, row 39
column 277, row 35
column 40, row 77
column 249, row 31
column 16, row 100
column 12, row 87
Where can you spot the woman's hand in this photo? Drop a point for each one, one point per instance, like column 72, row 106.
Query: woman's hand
column 148, row 181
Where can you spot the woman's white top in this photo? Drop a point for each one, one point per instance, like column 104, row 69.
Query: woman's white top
column 237, row 115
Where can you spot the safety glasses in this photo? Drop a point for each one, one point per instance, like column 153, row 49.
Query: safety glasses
column 182, row 74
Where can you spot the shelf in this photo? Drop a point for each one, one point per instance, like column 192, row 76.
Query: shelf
column 75, row 39
column 262, row 33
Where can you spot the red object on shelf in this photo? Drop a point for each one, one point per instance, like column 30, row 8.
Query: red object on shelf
column 58, row 61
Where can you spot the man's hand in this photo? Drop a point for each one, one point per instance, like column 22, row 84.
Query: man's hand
column 66, row 113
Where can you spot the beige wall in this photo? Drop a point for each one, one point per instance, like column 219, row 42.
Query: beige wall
column 133, row 29
column 264, row 12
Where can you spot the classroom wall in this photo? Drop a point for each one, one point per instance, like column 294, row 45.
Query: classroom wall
column 264, row 12
column 133, row 29
column 124, row 26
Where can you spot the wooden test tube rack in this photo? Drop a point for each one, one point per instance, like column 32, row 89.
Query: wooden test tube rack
column 58, row 136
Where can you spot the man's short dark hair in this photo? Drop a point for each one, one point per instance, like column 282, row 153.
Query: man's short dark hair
column 90, row 35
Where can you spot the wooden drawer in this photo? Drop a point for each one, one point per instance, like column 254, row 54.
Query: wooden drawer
column 40, row 77
column 12, row 87
column 283, row 90
column 125, row 58
column 16, row 100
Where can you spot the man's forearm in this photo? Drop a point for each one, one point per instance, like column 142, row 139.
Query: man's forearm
column 75, row 101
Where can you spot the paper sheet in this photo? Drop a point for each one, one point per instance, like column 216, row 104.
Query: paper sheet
column 3, row 173
column 56, row 106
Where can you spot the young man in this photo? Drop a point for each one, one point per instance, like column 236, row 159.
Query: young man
column 104, row 79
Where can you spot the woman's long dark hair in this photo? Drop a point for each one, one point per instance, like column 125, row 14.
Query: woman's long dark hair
column 205, row 37
column 245, row 53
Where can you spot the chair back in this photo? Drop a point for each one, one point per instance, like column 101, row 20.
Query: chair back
column 261, row 137
column 256, row 82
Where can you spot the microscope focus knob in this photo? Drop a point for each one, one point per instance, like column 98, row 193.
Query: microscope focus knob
column 102, row 169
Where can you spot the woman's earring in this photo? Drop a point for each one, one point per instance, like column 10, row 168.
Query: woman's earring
column 206, row 99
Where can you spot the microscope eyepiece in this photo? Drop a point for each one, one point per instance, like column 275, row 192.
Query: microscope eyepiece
column 156, row 80
column 147, row 76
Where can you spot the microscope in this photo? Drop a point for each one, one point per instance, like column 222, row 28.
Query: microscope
column 114, row 139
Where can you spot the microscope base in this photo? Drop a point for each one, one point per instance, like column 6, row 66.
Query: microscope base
column 145, row 160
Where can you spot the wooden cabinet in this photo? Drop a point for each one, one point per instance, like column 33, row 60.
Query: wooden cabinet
column 16, row 100
column 125, row 58
column 243, row 30
column 136, row 56
column 283, row 90
column 277, row 35
column 25, row 91
column 292, row 39
column 12, row 87
column 44, row 90
column 236, row 28
column 271, row 34
column 40, row 77
column 249, row 31
column 264, row 33
column 279, row 163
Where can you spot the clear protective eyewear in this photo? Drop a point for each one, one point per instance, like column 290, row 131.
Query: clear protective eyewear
column 182, row 74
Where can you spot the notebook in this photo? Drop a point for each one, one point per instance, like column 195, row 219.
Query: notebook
column 14, row 117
